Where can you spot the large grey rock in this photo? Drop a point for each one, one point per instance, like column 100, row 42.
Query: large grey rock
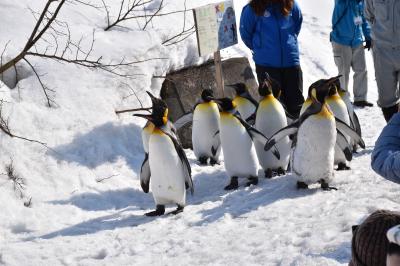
column 182, row 89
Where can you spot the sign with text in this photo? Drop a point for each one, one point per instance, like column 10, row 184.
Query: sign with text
column 215, row 27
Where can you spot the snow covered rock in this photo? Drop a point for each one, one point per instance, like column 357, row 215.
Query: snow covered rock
column 181, row 89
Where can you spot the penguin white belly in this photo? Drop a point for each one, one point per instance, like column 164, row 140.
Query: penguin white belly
column 271, row 118
column 205, row 125
column 244, row 107
column 314, row 152
column 339, row 110
column 239, row 153
column 167, row 178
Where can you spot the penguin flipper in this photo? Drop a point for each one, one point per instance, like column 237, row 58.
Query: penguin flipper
column 356, row 123
column 251, row 119
column 345, row 129
column 257, row 135
column 290, row 130
column 216, row 144
column 248, row 96
column 344, row 146
column 183, row 120
column 145, row 174
column 187, row 171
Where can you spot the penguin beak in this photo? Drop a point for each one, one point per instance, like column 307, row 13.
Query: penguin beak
column 148, row 117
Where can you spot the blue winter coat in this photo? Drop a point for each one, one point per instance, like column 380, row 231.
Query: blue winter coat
column 386, row 154
column 272, row 37
column 346, row 30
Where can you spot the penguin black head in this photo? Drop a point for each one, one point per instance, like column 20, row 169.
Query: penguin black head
column 320, row 89
column 207, row 95
column 226, row 104
column 269, row 86
column 159, row 115
column 240, row 88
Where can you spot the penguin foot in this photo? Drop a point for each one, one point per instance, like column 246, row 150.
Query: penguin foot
column 160, row 210
column 280, row 171
column 252, row 181
column 325, row 186
column 234, row 184
column 203, row 160
column 301, row 185
column 178, row 210
column 342, row 167
column 213, row 161
column 268, row 173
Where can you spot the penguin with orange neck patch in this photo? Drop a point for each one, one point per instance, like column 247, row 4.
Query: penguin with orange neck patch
column 339, row 110
column 246, row 105
column 237, row 136
column 169, row 167
column 146, row 132
column 315, row 134
column 205, row 130
column 270, row 118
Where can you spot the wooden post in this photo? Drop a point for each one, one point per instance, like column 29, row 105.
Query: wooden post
column 219, row 77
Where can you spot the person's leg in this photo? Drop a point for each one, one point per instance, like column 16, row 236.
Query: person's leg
column 342, row 56
column 292, row 90
column 387, row 81
column 360, row 85
column 273, row 72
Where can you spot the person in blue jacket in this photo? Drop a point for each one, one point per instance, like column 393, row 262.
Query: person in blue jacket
column 349, row 29
column 269, row 28
column 386, row 154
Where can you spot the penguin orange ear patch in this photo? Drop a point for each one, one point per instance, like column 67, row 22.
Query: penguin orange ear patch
column 165, row 117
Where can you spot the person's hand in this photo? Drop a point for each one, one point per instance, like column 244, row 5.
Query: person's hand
column 368, row 44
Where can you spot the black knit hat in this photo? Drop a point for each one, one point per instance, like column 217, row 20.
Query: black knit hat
column 369, row 245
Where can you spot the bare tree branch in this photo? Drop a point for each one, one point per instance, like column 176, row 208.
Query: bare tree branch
column 4, row 126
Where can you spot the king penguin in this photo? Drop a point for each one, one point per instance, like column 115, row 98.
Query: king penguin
column 245, row 103
column 146, row 132
column 237, row 136
column 339, row 110
column 205, row 131
column 315, row 137
column 169, row 167
column 270, row 118
column 354, row 121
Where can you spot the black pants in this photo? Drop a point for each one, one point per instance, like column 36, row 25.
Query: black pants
column 291, row 81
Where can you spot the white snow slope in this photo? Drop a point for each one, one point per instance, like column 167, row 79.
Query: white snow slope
column 75, row 220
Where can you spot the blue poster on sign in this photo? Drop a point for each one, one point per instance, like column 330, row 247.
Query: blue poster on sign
column 226, row 20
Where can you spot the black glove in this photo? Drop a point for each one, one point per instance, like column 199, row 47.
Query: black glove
column 368, row 44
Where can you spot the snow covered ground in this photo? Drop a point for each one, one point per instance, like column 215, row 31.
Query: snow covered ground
column 75, row 220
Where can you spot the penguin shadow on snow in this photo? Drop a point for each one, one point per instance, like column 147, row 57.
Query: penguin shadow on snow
column 103, row 223
column 245, row 200
column 104, row 144
column 109, row 200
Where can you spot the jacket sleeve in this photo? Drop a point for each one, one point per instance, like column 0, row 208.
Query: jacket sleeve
column 298, row 17
column 366, row 28
column 369, row 11
column 386, row 155
column 248, row 21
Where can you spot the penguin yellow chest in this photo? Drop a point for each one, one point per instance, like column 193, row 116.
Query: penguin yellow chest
column 244, row 106
column 146, row 132
column 167, row 178
column 305, row 105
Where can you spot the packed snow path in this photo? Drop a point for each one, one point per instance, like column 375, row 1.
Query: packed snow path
column 75, row 220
